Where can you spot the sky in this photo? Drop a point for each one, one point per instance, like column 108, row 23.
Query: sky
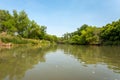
column 61, row 16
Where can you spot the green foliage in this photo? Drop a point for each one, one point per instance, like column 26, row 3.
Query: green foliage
column 91, row 35
column 6, row 22
column 19, row 24
column 22, row 23
column 83, row 27
column 34, row 31
column 51, row 38
column 19, row 40
column 106, row 35
column 84, row 35
column 110, row 34
column 11, row 39
column 22, row 29
column 76, row 39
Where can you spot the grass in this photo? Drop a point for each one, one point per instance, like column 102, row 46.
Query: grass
column 18, row 40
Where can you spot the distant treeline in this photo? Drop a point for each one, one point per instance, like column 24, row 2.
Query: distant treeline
column 19, row 24
column 86, row 35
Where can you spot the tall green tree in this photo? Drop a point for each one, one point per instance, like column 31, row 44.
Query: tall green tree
column 6, row 22
column 111, row 32
column 22, row 23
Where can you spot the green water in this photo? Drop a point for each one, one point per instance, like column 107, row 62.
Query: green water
column 62, row 62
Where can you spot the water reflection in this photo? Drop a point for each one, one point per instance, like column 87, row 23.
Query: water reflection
column 109, row 55
column 62, row 62
column 16, row 61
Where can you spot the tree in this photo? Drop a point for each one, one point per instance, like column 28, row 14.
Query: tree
column 22, row 23
column 84, row 35
column 91, row 34
column 43, row 32
column 111, row 32
column 6, row 22
column 76, row 39
column 83, row 27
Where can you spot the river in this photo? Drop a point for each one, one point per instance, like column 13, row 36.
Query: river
column 61, row 62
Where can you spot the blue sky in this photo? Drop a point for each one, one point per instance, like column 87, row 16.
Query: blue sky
column 61, row 16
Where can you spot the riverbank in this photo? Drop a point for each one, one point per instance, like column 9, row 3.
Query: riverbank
column 9, row 40
column 105, row 43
